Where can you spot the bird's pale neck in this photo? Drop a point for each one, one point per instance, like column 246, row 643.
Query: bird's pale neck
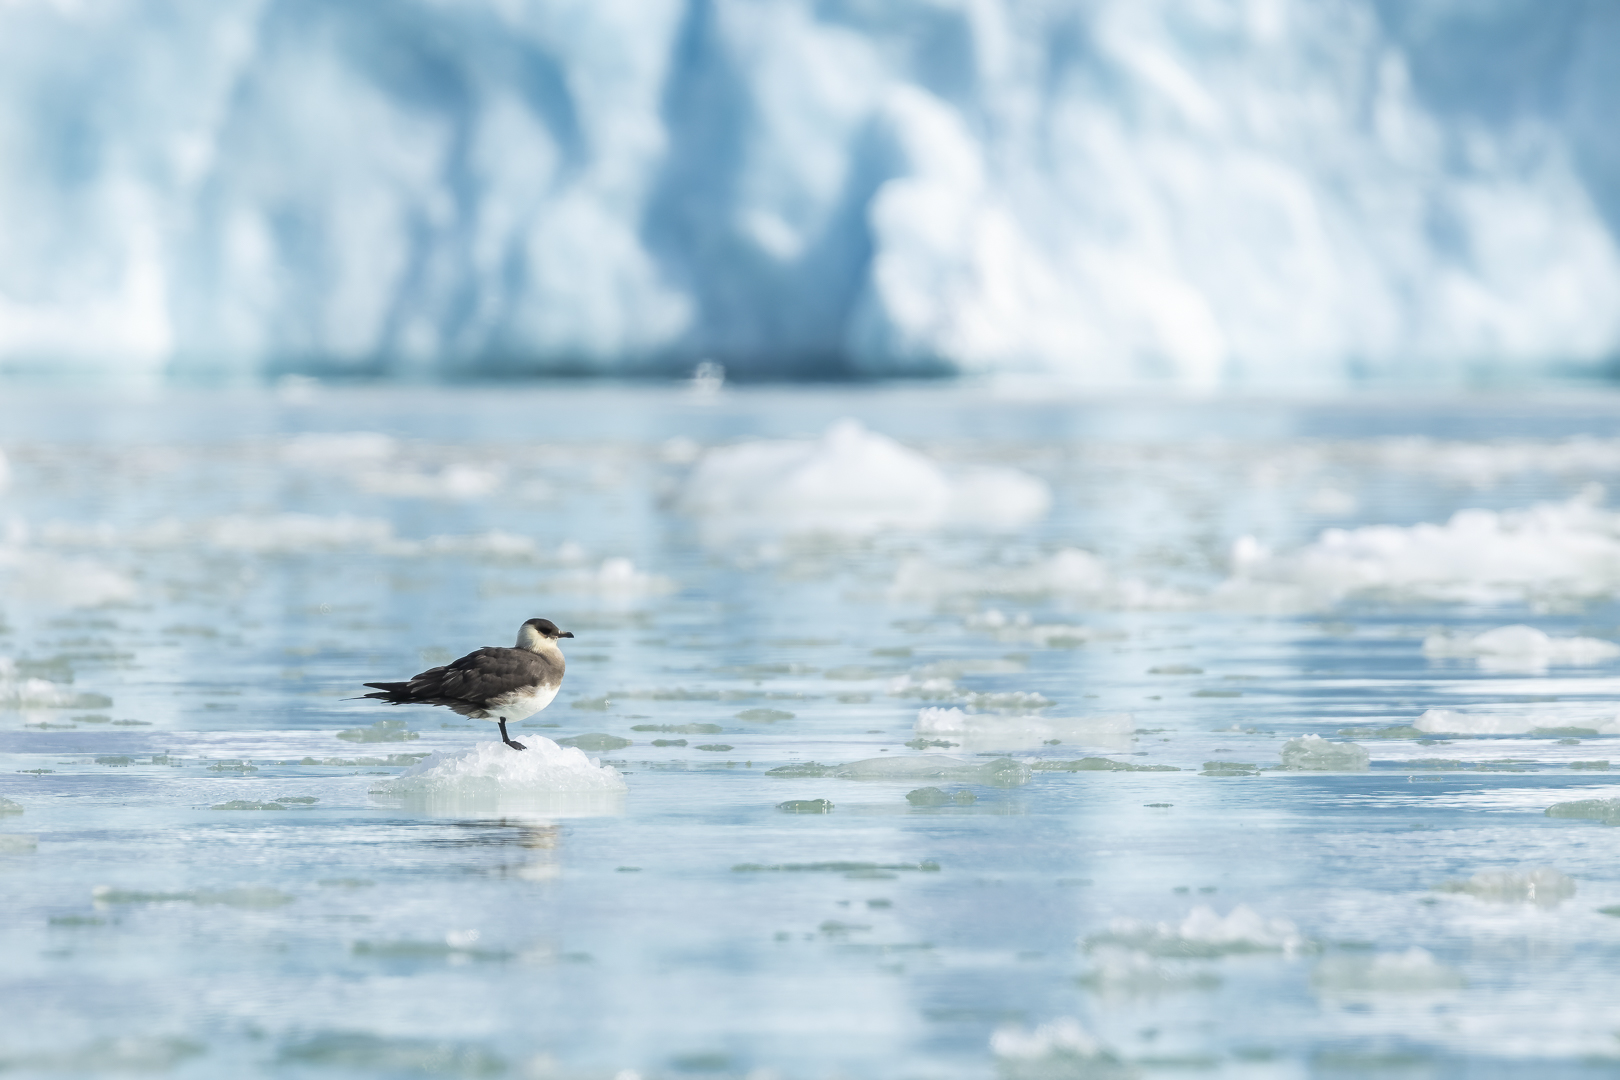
column 533, row 640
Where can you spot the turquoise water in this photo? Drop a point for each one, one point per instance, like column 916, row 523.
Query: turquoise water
column 198, row 583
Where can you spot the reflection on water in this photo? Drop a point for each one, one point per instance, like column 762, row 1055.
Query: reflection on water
column 1024, row 745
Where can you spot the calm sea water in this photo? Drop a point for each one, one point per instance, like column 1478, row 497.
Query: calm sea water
column 201, row 879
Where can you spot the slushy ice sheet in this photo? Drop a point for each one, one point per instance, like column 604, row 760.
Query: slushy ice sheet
column 905, row 733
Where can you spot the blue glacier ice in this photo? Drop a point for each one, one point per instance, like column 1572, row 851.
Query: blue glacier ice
column 1121, row 192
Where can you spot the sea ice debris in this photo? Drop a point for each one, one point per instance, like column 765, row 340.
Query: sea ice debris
column 1414, row 971
column 1543, row 885
column 1314, row 753
column 1002, row 772
column 1451, row 722
column 1022, row 731
column 1520, row 648
column 1205, row 934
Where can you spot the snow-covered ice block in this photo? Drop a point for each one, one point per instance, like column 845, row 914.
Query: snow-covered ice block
column 1204, row 934
column 1314, row 753
column 1520, row 648
column 1414, row 971
column 850, row 482
column 546, row 778
column 1451, row 722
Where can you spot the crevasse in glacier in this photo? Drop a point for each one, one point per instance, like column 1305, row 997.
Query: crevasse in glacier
column 1202, row 193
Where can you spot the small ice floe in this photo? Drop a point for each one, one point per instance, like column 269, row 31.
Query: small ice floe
column 1022, row 629
column 946, row 690
column 1451, row 722
column 17, row 843
column 616, row 576
column 1122, row 971
column 1543, row 886
column 340, row 450
column 451, row 482
column 1000, row 772
column 1520, row 648
column 546, row 779
column 1204, row 934
column 32, row 693
column 1414, row 971
column 1070, row 573
column 1313, row 753
column 130, row 1054
column 1060, row 1048
column 1017, row 732
column 850, row 482
column 47, row 578
column 1569, row 549
column 1605, row 810
column 9, row 807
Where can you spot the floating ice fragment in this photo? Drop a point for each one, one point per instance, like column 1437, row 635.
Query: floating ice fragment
column 244, row 804
column 1450, row 722
column 937, row 689
column 1021, row 628
column 44, row 694
column 1544, row 886
column 495, row 769
column 1204, row 934
column 851, row 482
column 1314, row 753
column 616, row 576
column 1020, row 732
column 252, row 897
column 1521, row 648
column 9, row 807
column 1414, row 971
column 759, row 716
column 451, row 482
column 1604, row 810
column 1002, row 772
column 337, row 451
column 133, row 1054
column 596, row 741
column 1230, row 768
column 1567, row 549
column 17, row 843
column 48, row 578
column 933, row 796
column 381, row 731
column 1098, row 764
column 806, row 806
column 1070, row 572
column 1127, row 971
column 360, row 1052
column 1059, row 1049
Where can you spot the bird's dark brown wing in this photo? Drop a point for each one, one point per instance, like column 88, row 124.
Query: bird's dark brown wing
column 466, row 685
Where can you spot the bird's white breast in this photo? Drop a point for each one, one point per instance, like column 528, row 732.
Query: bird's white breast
column 521, row 703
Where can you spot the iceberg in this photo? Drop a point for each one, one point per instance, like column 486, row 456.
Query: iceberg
column 1125, row 192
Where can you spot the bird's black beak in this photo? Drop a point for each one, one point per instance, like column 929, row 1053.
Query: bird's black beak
column 566, row 633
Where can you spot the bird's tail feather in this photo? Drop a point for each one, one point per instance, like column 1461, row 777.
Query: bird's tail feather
column 395, row 693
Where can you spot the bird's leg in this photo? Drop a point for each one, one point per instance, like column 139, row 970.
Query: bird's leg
column 507, row 739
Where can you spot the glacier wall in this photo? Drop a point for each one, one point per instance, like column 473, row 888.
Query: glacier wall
column 1114, row 192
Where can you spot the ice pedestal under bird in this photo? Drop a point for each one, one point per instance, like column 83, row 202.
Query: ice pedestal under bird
column 549, row 781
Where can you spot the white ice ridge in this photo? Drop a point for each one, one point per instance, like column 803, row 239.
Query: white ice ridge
column 1062, row 1046
column 1184, row 193
column 1520, row 648
column 1204, row 934
column 851, row 482
column 1451, row 722
column 1414, row 971
column 1567, row 549
column 495, row 769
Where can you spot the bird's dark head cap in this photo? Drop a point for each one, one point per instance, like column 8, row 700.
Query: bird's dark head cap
column 547, row 628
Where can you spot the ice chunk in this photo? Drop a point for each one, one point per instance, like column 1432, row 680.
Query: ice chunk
column 596, row 740
column 17, row 843
column 1604, row 810
column 249, row 897
column 933, row 796
column 451, row 482
column 1098, row 764
column 1451, row 722
column 616, row 576
column 377, row 1054
column 992, row 731
column 381, row 731
column 1061, row 1048
column 1021, row 628
column 9, row 807
column 1569, row 549
column 1314, row 753
column 1521, row 648
column 806, row 806
column 1414, row 971
column 44, row 694
column 850, row 482
column 45, row 577
column 1008, row 701
column 131, row 1054
column 1070, row 572
column 1002, row 772
column 319, row 450
column 1127, row 971
column 545, row 779
column 1543, row 885
column 1204, row 934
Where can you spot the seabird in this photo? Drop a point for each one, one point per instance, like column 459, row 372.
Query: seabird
column 491, row 683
